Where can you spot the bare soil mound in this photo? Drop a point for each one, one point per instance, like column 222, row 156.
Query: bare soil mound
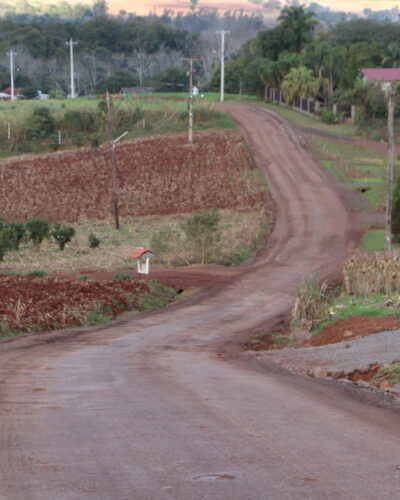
column 352, row 328
column 31, row 304
column 157, row 175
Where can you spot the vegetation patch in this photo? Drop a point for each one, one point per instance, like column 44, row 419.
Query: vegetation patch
column 390, row 374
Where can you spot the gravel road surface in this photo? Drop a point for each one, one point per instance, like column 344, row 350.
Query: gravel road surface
column 379, row 348
column 146, row 410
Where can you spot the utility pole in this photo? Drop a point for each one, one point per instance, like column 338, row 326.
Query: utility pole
column 71, row 44
column 222, row 89
column 111, row 145
column 190, row 99
column 390, row 161
column 11, row 54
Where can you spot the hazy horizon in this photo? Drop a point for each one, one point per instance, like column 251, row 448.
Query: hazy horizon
column 139, row 5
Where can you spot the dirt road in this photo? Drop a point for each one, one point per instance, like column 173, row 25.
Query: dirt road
column 147, row 410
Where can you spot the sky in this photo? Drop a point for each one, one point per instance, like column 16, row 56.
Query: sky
column 148, row 5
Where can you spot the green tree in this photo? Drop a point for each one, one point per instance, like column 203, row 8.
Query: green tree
column 41, row 123
column 299, row 24
column 299, row 82
column 62, row 234
column 37, row 230
column 202, row 233
column 392, row 56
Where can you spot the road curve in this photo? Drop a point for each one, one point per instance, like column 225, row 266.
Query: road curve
column 146, row 410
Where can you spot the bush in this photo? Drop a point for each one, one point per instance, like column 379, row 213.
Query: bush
column 94, row 242
column 37, row 274
column 37, row 229
column 62, row 234
column 4, row 244
column 17, row 232
column 202, row 233
column 328, row 116
column 41, row 124
column 121, row 277
column 11, row 236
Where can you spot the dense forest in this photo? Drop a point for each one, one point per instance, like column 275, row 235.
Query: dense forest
column 322, row 49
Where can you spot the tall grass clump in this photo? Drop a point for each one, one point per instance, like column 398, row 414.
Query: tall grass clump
column 368, row 275
column 310, row 305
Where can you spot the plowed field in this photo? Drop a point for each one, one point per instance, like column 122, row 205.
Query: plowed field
column 156, row 175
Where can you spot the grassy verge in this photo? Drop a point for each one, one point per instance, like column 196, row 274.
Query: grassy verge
column 359, row 169
column 374, row 239
column 390, row 374
column 340, row 129
column 345, row 307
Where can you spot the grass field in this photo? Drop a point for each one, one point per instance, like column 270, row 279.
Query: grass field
column 360, row 169
column 240, row 233
column 148, row 115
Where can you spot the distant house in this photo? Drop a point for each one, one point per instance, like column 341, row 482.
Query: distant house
column 383, row 75
column 8, row 91
column 4, row 96
column 136, row 90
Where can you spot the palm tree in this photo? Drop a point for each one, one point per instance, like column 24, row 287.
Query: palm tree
column 392, row 57
column 299, row 82
column 299, row 24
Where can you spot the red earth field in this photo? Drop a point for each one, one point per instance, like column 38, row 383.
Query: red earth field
column 29, row 303
column 157, row 175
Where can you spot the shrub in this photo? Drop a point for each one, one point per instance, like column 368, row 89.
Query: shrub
column 94, row 242
column 37, row 274
column 4, row 244
column 328, row 116
column 62, row 234
column 202, row 232
column 121, row 276
column 37, row 229
column 17, row 232
column 83, row 277
column 41, row 123
column 165, row 244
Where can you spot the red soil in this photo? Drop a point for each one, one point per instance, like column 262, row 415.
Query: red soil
column 157, row 175
column 352, row 328
column 28, row 303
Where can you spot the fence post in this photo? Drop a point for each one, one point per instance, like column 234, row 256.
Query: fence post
column 353, row 113
column 335, row 109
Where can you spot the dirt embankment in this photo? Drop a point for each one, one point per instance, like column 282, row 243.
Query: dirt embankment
column 156, row 176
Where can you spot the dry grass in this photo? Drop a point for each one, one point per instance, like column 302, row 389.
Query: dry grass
column 239, row 233
column 368, row 275
column 310, row 305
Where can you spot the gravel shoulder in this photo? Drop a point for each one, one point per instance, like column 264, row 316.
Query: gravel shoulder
column 349, row 356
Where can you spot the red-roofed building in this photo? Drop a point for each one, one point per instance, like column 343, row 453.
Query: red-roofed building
column 143, row 256
column 8, row 91
column 381, row 74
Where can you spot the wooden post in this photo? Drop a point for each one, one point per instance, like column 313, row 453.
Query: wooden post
column 113, row 163
column 390, row 161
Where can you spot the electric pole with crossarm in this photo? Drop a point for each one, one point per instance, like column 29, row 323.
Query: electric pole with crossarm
column 190, row 100
column 222, row 90
column 71, row 44
column 11, row 54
